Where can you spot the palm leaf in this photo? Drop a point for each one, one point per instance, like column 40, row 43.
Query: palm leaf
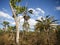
column 30, row 11
column 38, row 20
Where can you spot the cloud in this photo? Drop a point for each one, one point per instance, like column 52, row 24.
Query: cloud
column 5, row 15
column 58, row 8
column 19, row 18
column 31, row 22
column 12, row 23
column 3, row 9
column 37, row 11
column 39, row 18
column 57, row 2
column 40, row 10
column 8, row 18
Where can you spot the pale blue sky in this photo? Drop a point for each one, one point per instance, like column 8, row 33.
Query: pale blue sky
column 50, row 7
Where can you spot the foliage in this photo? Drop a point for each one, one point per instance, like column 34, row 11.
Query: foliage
column 58, row 35
column 17, row 8
column 42, row 35
column 5, row 23
column 10, row 28
column 45, row 24
column 29, row 38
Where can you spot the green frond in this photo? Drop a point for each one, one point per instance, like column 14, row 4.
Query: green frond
column 19, row 9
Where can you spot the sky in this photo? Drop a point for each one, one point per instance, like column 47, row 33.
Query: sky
column 40, row 8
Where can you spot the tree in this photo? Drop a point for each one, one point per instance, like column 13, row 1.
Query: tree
column 58, row 35
column 45, row 25
column 26, row 18
column 12, row 28
column 26, row 24
column 15, row 11
column 5, row 24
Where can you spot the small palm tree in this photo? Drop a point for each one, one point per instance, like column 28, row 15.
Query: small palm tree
column 26, row 24
column 45, row 25
column 26, row 18
column 5, row 24
column 15, row 11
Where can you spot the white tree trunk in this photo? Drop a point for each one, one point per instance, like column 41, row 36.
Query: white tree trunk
column 17, row 25
column 17, row 32
column 26, row 26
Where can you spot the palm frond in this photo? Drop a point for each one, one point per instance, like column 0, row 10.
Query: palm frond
column 38, row 20
column 30, row 11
